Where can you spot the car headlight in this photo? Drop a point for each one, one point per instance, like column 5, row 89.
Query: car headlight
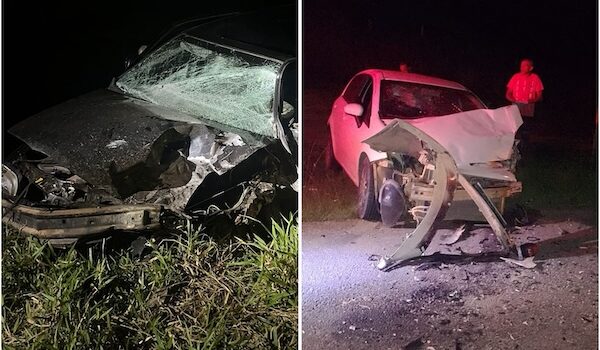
column 10, row 181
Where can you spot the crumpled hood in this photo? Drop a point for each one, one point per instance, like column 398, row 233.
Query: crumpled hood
column 478, row 136
column 124, row 145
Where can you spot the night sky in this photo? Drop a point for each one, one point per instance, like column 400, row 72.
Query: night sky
column 477, row 43
column 54, row 51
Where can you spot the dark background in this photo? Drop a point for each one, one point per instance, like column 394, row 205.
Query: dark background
column 54, row 51
column 477, row 43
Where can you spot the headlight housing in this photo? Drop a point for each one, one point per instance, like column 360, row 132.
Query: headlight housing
column 10, row 181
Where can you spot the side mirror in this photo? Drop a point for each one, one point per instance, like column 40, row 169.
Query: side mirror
column 141, row 49
column 355, row 110
column 129, row 60
column 127, row 63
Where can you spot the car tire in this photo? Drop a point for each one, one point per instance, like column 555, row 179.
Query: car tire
column 368, row 208
column 331, row 163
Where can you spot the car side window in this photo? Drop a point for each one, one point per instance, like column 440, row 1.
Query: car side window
column 289, row 93
column 355, row 89
column 360, row 90
column 365, row 100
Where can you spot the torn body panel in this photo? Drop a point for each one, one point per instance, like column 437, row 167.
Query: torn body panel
column 440, row 178
column 477, row 136
column 76, row 134
column 156, row 152
column 126, row 152
column 79, row 222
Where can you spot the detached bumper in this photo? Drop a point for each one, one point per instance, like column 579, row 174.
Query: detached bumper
column 76, row 223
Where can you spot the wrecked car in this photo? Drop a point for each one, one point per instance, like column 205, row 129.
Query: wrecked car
column 415, row 145
column 203, row 123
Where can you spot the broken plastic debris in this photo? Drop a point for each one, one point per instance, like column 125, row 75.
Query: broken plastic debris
column 419, row 278
column 231, row 139
column 116, row 144
column 352, row 328
column 527, row 250
column 76, row 179
column 225, row 164
column 527, row 263
column 415, row 344
column 382, row 263
column 454, row 236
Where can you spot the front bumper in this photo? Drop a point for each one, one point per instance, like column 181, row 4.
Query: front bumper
column 77, row 223
column 497, row 194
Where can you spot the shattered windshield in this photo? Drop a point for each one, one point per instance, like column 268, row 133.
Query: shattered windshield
column 410, row 100
column 208, row 81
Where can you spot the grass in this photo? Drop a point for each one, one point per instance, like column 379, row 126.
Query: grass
column 559, row 181
column 331, row 196
column 326, row 194
column 184, row 292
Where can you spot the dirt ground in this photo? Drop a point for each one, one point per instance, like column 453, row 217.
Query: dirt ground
column 347, row 303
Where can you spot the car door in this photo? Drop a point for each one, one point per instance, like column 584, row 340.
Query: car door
column 361, row 131
column 339, row 119
column 347, row 130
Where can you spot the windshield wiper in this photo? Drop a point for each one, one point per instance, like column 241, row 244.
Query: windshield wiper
column 115, row 88
column 399, row 116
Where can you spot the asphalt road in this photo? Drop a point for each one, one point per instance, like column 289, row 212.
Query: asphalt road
column 348, row 304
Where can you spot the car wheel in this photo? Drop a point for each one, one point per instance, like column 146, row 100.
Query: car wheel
column 330, row 161
column 367, row 202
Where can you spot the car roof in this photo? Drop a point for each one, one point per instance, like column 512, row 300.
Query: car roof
column 413, row 78
column 270, row 32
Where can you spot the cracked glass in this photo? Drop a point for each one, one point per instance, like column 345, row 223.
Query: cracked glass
column 208, row 81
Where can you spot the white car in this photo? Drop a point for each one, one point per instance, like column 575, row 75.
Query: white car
column 413, row 144
column 391, row 132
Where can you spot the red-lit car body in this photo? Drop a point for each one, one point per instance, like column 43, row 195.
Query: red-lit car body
column 479, row 140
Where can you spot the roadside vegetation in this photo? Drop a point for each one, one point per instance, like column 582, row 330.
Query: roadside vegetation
column 326, row 194
column 559, row 181
column 187, row 291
